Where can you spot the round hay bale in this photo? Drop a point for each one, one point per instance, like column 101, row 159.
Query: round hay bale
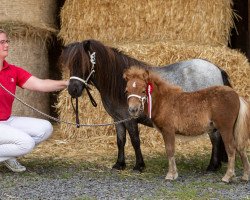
column 158, row 53
column 39, row 13
column 201, row 21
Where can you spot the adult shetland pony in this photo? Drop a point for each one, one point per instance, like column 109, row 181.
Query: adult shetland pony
column 106, row 75
column 191, row 113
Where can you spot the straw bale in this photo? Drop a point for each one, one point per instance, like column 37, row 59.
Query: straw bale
column 31, row 54
column 201, row 21
column 159, row 53
column 30, row 25
column 39, row 13
column 21, row 29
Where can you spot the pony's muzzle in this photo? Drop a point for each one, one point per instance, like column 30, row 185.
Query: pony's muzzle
column 75, row 89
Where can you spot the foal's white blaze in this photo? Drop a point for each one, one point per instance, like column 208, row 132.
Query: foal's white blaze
column 134, row 84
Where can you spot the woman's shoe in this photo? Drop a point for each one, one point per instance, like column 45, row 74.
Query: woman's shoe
column 14, row 165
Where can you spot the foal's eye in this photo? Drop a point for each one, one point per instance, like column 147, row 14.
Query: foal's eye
column 144, row 92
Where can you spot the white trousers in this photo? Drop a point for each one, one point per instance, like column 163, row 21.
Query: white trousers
column 19, row 135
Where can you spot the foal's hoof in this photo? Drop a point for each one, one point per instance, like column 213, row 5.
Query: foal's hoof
column 245, row 177
column 171, row 176
column 226, row 178
column 119, row 166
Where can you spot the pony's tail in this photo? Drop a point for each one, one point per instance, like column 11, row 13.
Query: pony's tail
column 225, row 78
column 242, row 125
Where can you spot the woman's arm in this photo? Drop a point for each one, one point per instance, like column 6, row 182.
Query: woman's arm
column 44, row 85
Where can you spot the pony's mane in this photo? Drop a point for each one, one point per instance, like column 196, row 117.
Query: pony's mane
column 110, row 65
column 74, row 58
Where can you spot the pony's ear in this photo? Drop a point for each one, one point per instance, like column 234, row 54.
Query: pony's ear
column 125, row 75
column 86, row 45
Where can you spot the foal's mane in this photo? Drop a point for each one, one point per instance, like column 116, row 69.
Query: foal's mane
column 137, row 72
column 164, row 85
column 110, row 65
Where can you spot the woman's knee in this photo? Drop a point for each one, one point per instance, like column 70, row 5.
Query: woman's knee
column 43, row 131
column 48, row 129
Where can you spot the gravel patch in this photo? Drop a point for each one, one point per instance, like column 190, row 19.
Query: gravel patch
column 72, row 183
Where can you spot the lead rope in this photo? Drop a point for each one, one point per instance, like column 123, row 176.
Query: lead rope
column 76, row 112
column 92, row 100
column 77, row 115
column 59, row 120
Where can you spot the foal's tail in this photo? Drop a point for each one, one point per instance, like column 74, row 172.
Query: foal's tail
column 242, row 126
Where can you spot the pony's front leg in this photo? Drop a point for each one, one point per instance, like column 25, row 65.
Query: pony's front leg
column 121, row 141
column 133, row 131
column 169, row 140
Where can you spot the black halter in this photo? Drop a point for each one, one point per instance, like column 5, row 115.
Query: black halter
column 85, row 83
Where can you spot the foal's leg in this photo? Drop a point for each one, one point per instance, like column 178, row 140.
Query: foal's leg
column 230, row 146
column 230, row 167
column 121, row 141
column 169, row 140
column 246, row 166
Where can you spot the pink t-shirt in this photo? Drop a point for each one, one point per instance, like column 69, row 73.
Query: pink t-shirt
column 10, row 77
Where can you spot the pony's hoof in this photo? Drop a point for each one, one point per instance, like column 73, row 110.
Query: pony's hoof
column 139, row 168
column 213, row 167
column 171, row 176
column 119, row 166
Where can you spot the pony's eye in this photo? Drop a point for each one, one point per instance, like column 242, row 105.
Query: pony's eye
column 144, row 92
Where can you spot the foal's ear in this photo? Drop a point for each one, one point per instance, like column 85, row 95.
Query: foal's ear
column 146, row 75
column 86, row 45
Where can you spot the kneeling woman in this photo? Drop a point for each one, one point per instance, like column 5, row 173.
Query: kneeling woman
column 19, row 135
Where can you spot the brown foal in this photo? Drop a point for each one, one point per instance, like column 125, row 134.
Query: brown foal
column 174, row 111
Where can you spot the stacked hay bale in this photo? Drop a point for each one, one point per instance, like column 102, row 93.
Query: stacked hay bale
column 30, row 24
column 200, row 21
column 158, row 32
